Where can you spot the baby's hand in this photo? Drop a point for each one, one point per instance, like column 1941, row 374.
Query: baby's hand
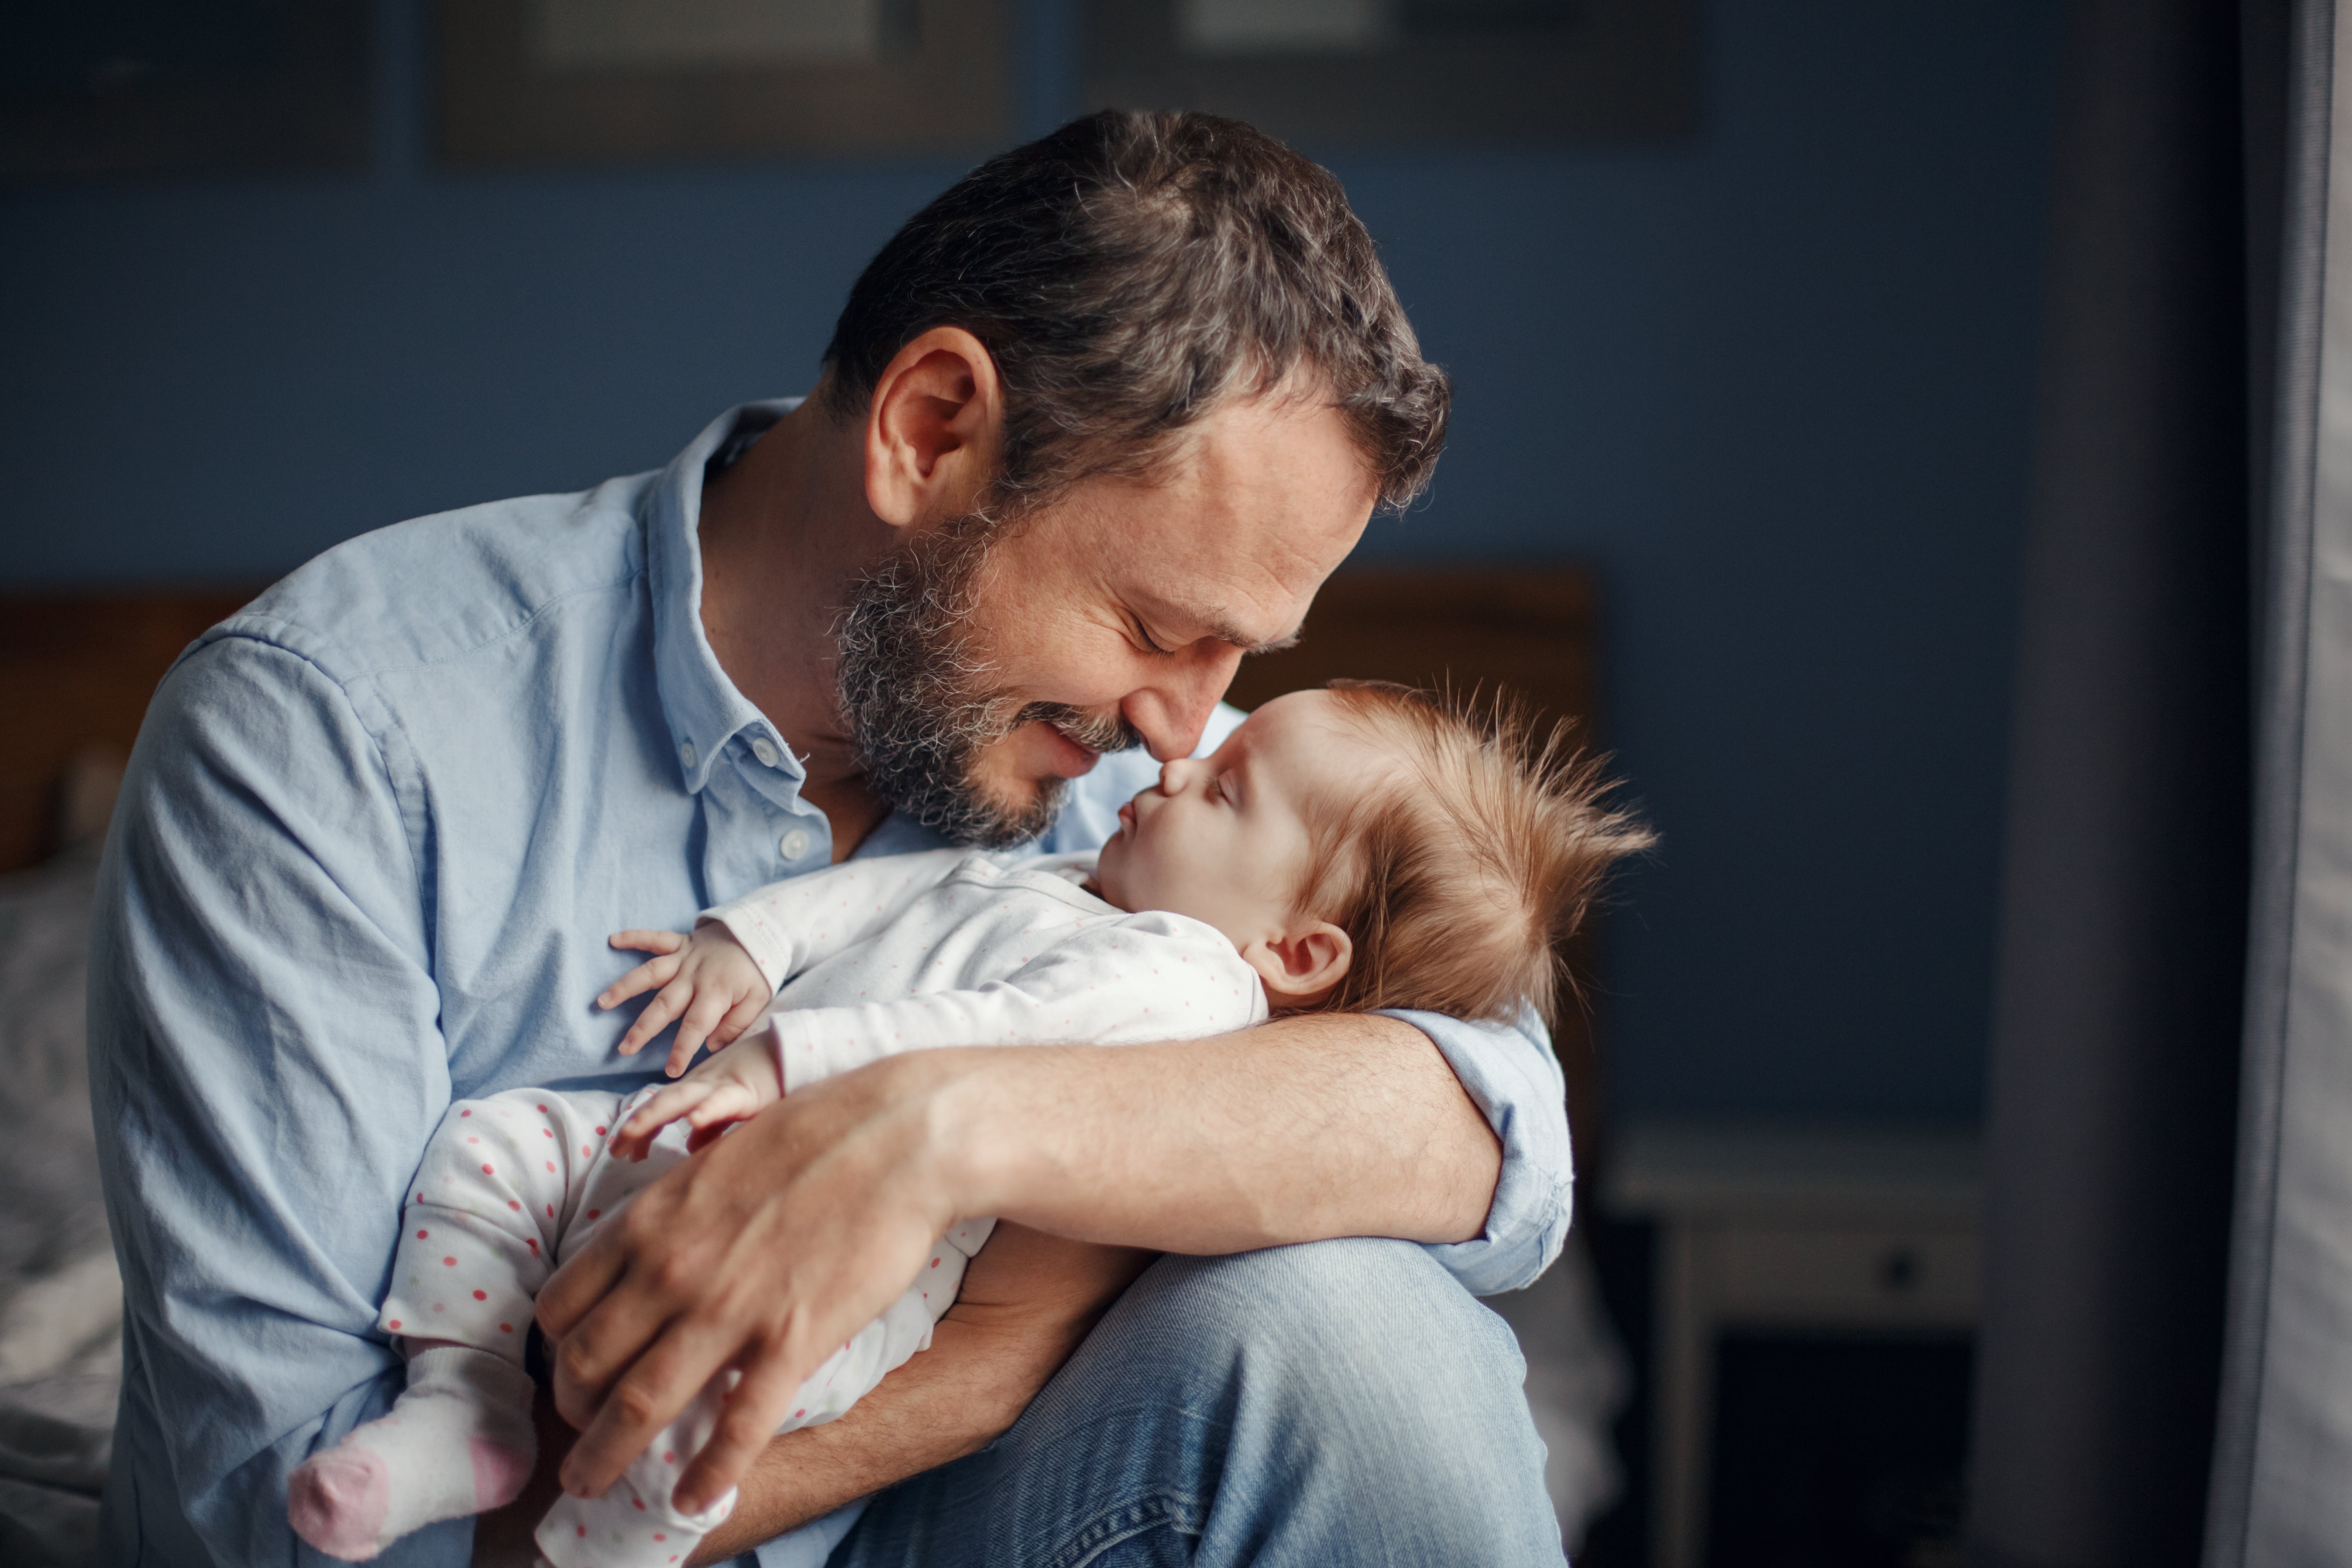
column 734, row 1085
column 707, row 977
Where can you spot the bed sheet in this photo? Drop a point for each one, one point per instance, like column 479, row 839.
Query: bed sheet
column 60, row 1298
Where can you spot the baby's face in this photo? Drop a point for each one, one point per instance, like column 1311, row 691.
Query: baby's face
column 1223, row 839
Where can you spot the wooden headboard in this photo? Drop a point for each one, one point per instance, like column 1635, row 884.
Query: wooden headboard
column 76, row 672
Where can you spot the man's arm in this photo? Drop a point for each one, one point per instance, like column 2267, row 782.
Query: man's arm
column 265, row 1065
column 771, row 1246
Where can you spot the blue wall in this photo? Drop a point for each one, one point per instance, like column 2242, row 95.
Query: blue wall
column 1776, row 382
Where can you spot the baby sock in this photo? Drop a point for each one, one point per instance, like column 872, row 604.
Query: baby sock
column 459, row 1441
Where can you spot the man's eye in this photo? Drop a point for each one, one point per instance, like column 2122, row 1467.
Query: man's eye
column 1144, row 632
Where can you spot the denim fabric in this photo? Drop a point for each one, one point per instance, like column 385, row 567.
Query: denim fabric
column 1345, row 1402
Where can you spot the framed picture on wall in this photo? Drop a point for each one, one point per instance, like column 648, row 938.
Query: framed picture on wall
column 527, row 82
column 1399, row 72
column 91, row 88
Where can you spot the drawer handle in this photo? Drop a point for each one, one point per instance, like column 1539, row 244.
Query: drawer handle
column 1900, row 1270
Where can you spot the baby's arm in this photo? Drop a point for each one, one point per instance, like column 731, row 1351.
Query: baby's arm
column 790, row 925
column 718, row 979
column 1145, row 978
column 729, row 1086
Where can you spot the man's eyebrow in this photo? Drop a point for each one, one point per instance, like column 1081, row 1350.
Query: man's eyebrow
column 1224, row 631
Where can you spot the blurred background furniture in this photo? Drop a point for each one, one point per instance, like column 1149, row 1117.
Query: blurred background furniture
column 1812, row 1236
column 76, row 672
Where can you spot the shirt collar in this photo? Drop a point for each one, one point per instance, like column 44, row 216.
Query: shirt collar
column 704, row 710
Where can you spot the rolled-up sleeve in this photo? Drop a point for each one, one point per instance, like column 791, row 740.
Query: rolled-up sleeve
column 1511, row 1075
column 265, row 1063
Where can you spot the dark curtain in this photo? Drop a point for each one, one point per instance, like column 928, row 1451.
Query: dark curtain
column 2112, row 1110
column 2283, row 1464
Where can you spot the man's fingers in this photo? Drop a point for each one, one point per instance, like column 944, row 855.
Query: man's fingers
column 583, row 1280
column 747, row 1418
column 648, row 1398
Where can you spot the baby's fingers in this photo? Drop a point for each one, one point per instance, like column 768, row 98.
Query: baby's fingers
column 637, row 1135
column 668, row 1003
column 653, row 972
column 708, row 1011
column 647, row 941
column 722, row 1107
column 748, row 1009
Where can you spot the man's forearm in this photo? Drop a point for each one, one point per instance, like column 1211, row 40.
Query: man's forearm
column 1301, row 1130
column 1308, row 1129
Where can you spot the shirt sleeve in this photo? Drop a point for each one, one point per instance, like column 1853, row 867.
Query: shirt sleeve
column 266, row 1065
column 790, row 925
column 1511, row 1075
column 1146, row 978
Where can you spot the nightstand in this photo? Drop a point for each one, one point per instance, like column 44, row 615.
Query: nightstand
column 1871, row 1230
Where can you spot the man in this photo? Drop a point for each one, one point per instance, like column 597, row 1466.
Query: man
column 1092, row 426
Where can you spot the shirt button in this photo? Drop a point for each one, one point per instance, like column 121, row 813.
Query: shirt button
column 794, row 844
column 765, row 750
column 685, row 754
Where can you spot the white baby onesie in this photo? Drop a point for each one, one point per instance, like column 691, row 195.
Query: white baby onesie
column 868, row 959
column 909, row 953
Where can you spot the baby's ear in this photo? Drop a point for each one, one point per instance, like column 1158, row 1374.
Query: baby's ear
column 1300, row 966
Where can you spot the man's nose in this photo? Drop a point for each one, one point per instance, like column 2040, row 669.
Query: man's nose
column 1170, row 714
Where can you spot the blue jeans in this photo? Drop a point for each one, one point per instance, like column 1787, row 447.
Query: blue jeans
column 1342, row 1403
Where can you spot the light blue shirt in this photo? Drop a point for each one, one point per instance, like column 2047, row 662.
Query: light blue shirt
column 377, row 828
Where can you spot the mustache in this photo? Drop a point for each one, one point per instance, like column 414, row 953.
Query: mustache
column 1095, row 732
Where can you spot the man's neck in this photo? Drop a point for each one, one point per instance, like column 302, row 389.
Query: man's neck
column 785, row 532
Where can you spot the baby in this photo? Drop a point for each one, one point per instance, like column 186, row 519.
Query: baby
column 1357, row 847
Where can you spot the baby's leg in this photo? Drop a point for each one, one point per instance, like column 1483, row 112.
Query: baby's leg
column 458, row 1441
column 476, row 1239
column 634, row 1524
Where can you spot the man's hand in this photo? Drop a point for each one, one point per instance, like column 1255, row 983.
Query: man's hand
column 767, row 1249
column 762, row 1253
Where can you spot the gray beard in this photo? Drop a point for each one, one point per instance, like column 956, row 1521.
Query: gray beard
column 916, row 703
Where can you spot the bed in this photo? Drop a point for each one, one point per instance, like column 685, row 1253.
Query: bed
column 75, row 673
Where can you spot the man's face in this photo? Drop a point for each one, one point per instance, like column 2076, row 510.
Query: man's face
column 978, row 679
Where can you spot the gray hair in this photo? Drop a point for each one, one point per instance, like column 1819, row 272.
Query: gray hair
column 1129, row 273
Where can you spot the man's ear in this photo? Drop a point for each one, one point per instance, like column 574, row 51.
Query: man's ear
column 1301, row 967
column 932, row 429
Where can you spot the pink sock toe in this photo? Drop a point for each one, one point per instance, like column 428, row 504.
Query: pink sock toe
column 337, row 1501
column 498, row 1474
